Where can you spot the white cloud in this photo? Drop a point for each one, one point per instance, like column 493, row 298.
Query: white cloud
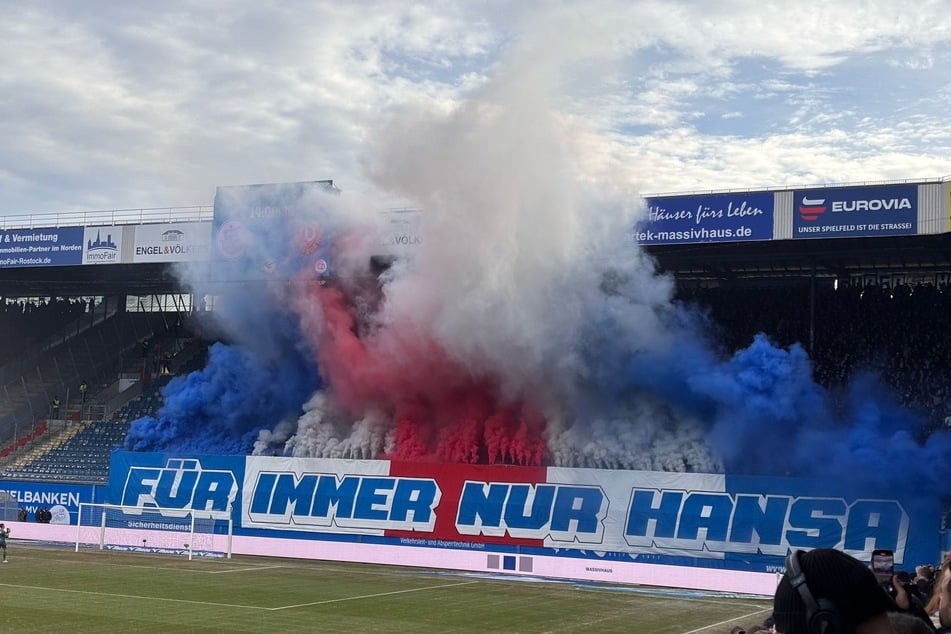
column 105, row 105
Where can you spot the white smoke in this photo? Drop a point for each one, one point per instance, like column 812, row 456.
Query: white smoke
column 643, row 436
column 270, row 442
column 524, row 256
column 516, row 240
column 321, row 433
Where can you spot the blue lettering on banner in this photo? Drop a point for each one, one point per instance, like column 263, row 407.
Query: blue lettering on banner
column 351, row 501
column 560, row 512
column 179, row 487
column 767, row 524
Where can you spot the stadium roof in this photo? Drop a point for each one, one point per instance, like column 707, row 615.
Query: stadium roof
column 74, row 281
column 748, row 262
column 830, row 258
column 729, row 262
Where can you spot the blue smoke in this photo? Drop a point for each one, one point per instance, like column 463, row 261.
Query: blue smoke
column 266, row 371
column 763, row 412
column 221, row 408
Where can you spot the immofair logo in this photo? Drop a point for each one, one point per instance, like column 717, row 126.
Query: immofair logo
column 102, row 249
column 811, row 208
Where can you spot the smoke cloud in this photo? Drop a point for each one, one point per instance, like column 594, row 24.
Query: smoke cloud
column 519, row 323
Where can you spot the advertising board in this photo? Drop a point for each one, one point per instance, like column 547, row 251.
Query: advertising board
column 180, row 242
column 61, row 246
column 706, row 520
column 849, row 212
column 691, row 219
column 62, row 500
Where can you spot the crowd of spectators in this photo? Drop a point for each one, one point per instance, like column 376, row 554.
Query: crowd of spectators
column 899, row 333
column 826, row 591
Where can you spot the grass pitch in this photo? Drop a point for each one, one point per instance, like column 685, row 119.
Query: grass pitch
column 47, row 589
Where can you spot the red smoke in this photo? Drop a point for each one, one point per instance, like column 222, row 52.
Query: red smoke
column 440, row 410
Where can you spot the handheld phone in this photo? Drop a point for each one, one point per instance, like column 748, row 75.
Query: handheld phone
column 883, row 564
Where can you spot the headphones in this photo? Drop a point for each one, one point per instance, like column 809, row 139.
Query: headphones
column 822, row 617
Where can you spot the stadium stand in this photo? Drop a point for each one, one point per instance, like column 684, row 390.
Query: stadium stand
column 844, row 335
column 62, row 362
column 854, row 304
column 126, row 385
column 81, row 454
column 25, row 323
column 898, row 333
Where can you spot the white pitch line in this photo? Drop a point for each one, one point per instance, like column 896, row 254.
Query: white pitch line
column 249, row 569
column 373, row 596
column 637, row 592
column 176, row 566
column 734, row 619
column 135, row 596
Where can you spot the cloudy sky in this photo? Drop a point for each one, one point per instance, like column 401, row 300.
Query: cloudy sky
column 107, row 105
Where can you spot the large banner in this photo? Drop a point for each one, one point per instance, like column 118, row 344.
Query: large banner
column 849, row 212
column 182, row 242
column 734, row 217
column 718, row 521
column 41, row 247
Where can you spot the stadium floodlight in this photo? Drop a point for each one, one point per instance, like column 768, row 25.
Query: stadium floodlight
column 155, row 530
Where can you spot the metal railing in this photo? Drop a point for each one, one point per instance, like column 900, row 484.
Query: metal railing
column 148, row 215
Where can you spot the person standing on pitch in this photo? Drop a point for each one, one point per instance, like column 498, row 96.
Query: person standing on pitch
column 4, row 533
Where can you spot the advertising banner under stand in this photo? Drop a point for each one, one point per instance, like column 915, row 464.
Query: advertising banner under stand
column 61, row 500
column 732, row 217
column 182, row 242
column 849, row 212
column 685, row 519
column 41, row 247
